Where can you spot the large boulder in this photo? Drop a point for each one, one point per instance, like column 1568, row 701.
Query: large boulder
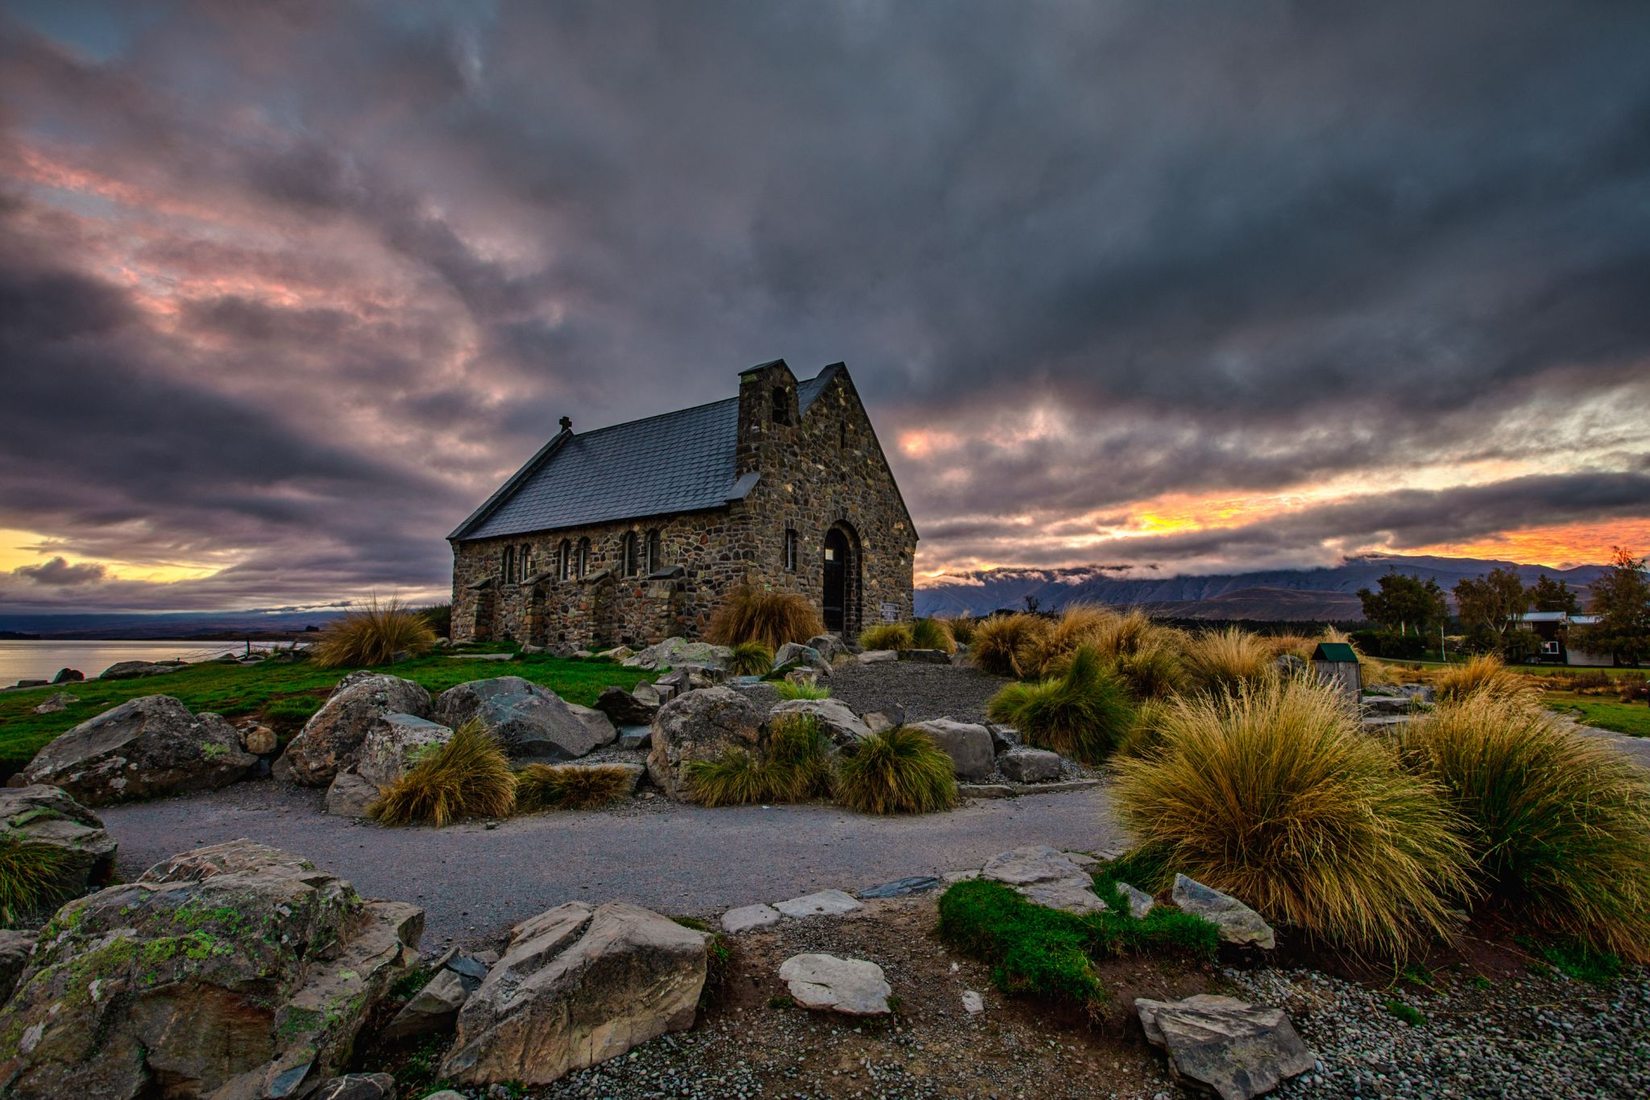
column 331, row 738
column 699, row 726
column 578, row 985
column 237, row 971
column 836, row 718
column 1030, row 765
column 1237, row 922
column 627, row 708
column 15, row 949
column 394, row 743
column 143, row 748
column 968, row 745
column 531, row 722
column 680, row 653
column 1235, row 1049
column 792, row 656
column 350, row 795
column 132, row 670
column 50, row 815
column 829, row 646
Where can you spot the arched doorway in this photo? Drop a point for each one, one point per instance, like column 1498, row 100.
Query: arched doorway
column 841, row 596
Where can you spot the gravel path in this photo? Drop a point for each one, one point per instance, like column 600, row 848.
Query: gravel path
column 925, row 691
column 473, row 880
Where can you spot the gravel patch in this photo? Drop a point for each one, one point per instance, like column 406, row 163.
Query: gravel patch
column 925, row 691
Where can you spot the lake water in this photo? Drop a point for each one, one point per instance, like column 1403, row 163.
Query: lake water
column 31, row 660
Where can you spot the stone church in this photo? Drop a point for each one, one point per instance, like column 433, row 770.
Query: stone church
column 634, row 533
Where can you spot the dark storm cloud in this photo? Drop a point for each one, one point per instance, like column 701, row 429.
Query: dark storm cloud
column 58, row 573
column 297, row 284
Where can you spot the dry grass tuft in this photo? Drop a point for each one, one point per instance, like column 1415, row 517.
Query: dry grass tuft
column 887, row 636
column 796, row 763
column 932, row 634
column 898, row 771
column 962, row 628
column 469, row 776
column 1560, row 821
column 1228, row 660
column 374, row 635
column 772, row 618
column 750, row 659
column 1484, row 675
column 1083, row 713
column 1276, row 796
column 570, row 786
column 32, row 875
column 1009, row 645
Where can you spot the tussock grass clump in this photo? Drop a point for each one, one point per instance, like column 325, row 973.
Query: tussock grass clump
column 1145, row 733
column 1276, row 796
column 31, row 876
column 1080, row 624
column 1484, row 675
column 1009, row 645
column 795, row 764
column 1292, row 645
column 569, row 786
column 887, row 636
column 1559, row 822
column 772, row 618
column 750, row 659
column 898, row 771
column 1083, row 713
column 469, row 776
column 1050, row 953
column 1228, row 660
column 790, row 689
column 961, row 628
column 373, row 635
column 932, row 634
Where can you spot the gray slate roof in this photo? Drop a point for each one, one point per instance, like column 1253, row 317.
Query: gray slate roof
column 680, row 461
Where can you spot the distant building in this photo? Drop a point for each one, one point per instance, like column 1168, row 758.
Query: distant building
column 633, row 533
column 1336, row 664
column 1553, row 628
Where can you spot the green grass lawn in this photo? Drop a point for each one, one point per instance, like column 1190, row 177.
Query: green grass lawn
column 1606, row 714
column 280, row 694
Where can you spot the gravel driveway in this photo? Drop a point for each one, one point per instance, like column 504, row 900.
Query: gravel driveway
column 473, row 880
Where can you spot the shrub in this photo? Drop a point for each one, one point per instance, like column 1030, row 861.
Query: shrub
column 1484, row 675
column 1082, row 714
column 750, row 659
column 1294, row 645
column 373, row 635
column 795, row 764
column 1049, row 953
column 1145, row 734
column 469, row 776
column 897, row 771
column 31, row 876
column 1559, row 821
column 569, row 786
column 1009, row 645
column 440, row 618
column 772, row 618
column 1228, row 660
column 932, row 634
column 1276, row 796
column 887, row 636
column 789, row 689
column 1078, row 625
column 961, row 628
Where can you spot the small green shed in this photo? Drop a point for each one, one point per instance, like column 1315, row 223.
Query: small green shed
column 1337, row 663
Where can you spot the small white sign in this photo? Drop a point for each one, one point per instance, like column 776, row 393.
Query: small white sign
column 890, row 612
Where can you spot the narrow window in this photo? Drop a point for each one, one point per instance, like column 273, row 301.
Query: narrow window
column 628, row 554
column 655, row 557
column 565, row 560
column 507, row 564
column 526, row 560
column 781, row 406
column 790, row 549
column 584, row 557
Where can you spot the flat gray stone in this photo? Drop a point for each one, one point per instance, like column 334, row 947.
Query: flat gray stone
column 1237, row 922
column 878, row 656
column 1029, row 765
column 1072, row 895
column 986, row 790
column 433, row 1010
column 973, row 1003
column 853, row 987
column 1033, row 863
column 901, row 887
column 825, row 903
column 1140, row 903
column 746, row 917
column 1236, row 1049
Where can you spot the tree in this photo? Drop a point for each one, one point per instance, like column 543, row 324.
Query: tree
column 1492, row 605
column 1551, row 595
column 1404, row 602
column 1621, row 600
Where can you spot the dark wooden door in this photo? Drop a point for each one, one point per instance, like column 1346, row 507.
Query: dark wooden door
column 835, row 602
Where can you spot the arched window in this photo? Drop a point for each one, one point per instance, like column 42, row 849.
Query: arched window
column 524, row 561
column 564, row 560
column 629, row 559
column 583, row 562
column 791, row 556
column 507, row 565
column 781, row 406
column 655, row 554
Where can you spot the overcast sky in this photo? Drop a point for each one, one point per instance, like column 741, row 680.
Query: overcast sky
column 286, row 289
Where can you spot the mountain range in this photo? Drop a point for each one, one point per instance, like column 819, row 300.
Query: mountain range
column 1322, row 594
